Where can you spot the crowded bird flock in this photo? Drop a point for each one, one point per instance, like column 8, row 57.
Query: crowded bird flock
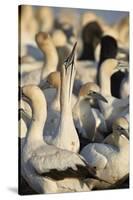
column 73, row 101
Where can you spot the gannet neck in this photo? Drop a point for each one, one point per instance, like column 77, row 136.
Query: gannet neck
column 107, row 68
column 47, row 47
column 51, row 61
column 105, row 83
column 39, row 110
column 67, row 137
column 67, row 81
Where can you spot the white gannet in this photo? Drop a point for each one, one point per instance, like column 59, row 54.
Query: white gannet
column 122, row 126
column 46, row 168
column 43, row 70
column 53, row 102
column 110, row 49
column 115, row 107
column 89, row 121
column 66, row 124
column 111, row 158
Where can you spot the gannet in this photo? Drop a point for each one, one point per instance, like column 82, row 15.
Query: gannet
column 89, row 121
column 46, row 168
column 115, row 107
column 111, row 158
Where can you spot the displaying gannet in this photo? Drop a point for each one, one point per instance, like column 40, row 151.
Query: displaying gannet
column 115, row 107
column 89, row 121
column 111, row 158
column 66, row 125
column 53, row 102
column 46, row 168
column 50, row 61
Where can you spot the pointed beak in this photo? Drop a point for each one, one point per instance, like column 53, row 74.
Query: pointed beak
column 70, row 59
column 98, row 96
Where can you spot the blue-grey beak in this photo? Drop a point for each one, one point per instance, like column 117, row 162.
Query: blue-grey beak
column 98, row 96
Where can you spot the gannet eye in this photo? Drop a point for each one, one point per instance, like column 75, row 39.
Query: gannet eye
column 91, row 92
column 68, row 62
column 119, row 128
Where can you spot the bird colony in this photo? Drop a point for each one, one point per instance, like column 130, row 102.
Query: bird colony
column 73, row 101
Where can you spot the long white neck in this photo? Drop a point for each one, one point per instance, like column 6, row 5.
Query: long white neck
column 51, row 61
column 105, row 83
column 67, row 137
column 35, row 133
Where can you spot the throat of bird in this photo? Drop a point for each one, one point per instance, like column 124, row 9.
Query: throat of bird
column 119, row 141
column 50, row 64
column 35, row 132
column 105, row 84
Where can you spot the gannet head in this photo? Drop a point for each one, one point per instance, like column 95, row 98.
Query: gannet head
column 111, row 65
column 91, row 91
column 121, row 126
column 43, row 40
column 54, row 80
column 71, row 58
